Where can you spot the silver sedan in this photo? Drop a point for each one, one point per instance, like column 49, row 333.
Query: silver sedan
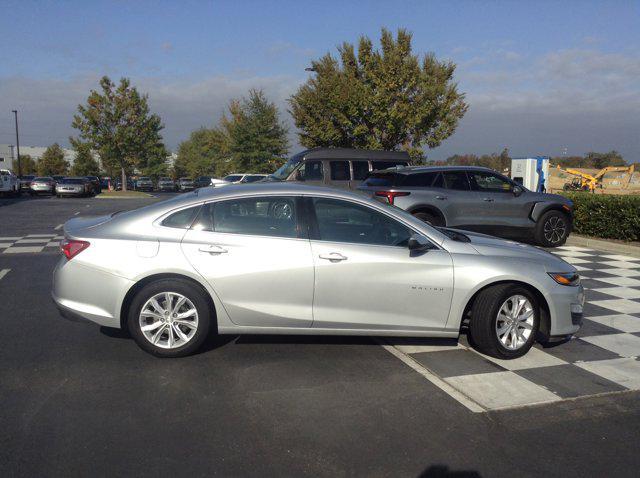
column 294, row 259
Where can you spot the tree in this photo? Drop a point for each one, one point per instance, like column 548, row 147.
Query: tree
column 117, row 123
column 84, row 163
column 602, row 160
column 258, row 139
column 28, row 165
column 389, row 99
column 497, row 162
column 204, row 153
column 249, row 138
column 52, row 162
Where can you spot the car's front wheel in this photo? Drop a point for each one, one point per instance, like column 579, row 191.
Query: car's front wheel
column 553, row 228
column 504, row 321
column 170, row 318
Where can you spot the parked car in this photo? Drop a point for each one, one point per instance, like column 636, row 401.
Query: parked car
column 337, row 167
column 96, row 184
column 166, row 184
column 287, row 258
column 242, row 178
column 9, row 182
column 202, row 181
column 475, row 199
column 144, row 183
column 185, row 184
column 43, row 185
column 73, row 186
column 130, row 184
column 25, row 182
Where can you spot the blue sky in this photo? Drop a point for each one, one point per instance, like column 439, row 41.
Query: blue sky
column 540, row 77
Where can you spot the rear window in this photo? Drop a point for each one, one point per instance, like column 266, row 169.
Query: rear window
column 42, row 179
column 340, row 170
column 232, row 178
column 72, row 181
column 253, row 178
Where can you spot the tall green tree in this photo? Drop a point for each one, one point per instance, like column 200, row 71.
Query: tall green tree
column 258, row 139
column 602, row 160
column 250, row 137
column 206, row 152
column 28, row 165
column 117, row 123
column 52, row 162
column 381, row 99
column 84, row 164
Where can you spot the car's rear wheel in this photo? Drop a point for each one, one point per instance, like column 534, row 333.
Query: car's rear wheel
column 429, row 217
column 504, row 321
column 553, row 228
column 170, row 318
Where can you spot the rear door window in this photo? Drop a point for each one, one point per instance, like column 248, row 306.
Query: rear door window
column 456, row 180
column 260, row 216
column 423, row 180
column 181, row 219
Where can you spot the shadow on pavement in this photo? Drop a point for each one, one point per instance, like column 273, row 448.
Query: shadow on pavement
column 442, row 471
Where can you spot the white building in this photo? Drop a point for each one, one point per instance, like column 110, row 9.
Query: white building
column 6, row 156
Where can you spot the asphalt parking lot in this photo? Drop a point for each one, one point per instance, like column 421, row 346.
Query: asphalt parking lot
column 78, row 399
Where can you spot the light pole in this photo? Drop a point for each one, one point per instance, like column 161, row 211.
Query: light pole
column 15, row 113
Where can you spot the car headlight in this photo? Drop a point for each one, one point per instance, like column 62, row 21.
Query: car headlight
column 565, row 278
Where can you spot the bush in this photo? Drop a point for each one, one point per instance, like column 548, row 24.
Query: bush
column 606, row 216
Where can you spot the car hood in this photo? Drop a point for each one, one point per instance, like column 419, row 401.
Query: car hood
column 494, row 246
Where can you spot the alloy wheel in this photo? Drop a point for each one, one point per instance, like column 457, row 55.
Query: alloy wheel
column 514, row 323
column 168, row 320
column 554, row 229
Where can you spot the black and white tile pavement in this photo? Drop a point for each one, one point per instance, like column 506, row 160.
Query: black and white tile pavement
column 601, row 358
column 29, row 244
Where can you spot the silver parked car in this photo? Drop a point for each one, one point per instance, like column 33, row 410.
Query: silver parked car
column 73, row 187
column 42, row 185
column 284, row 258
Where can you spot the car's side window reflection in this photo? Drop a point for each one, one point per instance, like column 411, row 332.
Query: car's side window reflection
column 343, row 221
column 262, row 216
column 181, row 219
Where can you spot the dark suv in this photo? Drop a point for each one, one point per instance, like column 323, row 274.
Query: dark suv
column 475, row 199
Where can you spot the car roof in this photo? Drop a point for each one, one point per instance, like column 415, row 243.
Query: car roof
column 347, row 153
column 426, row 169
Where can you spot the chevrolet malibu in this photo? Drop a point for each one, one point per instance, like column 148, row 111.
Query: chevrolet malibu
column 295, row 259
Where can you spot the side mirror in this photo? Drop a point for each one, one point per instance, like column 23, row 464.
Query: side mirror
column 418, row 243
column 517, row 191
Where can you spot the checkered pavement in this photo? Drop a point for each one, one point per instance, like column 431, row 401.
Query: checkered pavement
column 31, row 243
column 603, row 356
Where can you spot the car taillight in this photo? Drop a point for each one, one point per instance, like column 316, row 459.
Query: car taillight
column 71, row 248
column 391, row 195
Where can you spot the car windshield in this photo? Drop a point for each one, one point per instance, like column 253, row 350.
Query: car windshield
column 144, row 178
column 232, row 178
column 42, row 179
column 286, row 169
column 383, row 179
column 72, row 181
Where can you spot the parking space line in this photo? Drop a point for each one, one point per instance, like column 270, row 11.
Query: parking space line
column 75, row 214
column 3, row 273
column 58, row 227
column 434, row 379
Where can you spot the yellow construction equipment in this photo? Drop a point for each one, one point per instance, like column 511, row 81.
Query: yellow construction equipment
column 589, row 182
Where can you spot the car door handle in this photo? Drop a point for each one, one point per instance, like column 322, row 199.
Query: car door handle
column 441, row 198
column 488, row 199
column 213, row 249
column 333, row 257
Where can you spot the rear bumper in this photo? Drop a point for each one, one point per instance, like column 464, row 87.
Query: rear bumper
column 85, row 293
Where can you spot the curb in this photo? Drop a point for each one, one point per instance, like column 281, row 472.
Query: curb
column 603, row 245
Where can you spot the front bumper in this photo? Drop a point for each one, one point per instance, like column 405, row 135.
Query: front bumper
column 566, row 305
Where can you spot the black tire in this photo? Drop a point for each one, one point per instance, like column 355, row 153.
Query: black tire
column 194, row 293
column 429, row 218
column 552, row 229
column 484, row 316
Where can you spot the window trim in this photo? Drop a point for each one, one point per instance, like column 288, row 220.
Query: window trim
column 314, row 230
